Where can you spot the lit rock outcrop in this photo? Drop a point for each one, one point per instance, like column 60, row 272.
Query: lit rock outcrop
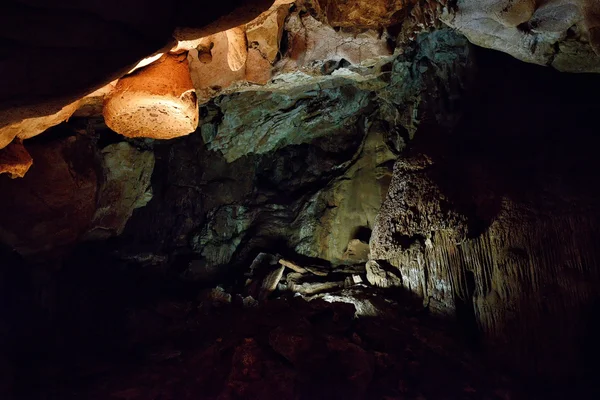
column 157, row 102
column 15, row 160
column 27, row 128
column 103, row 44
column 125, row 186
column 558, row 33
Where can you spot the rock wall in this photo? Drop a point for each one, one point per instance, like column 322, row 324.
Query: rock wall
column 75, row 190
column 495, row 221
column 301, row 164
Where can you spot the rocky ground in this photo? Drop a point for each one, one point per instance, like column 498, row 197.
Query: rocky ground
column 284, row 348
column 258, row 340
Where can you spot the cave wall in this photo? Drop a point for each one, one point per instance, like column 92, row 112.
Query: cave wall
column 496, row 221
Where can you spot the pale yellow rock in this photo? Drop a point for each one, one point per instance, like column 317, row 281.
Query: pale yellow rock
column 292, row 266
column 210, row 78
column 237, row 48
column 29, row 127
column 188, row 38
column 357, row 251
column 265, row 32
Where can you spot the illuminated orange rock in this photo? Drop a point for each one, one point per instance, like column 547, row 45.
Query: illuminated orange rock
column 157, row 102
column 26, row 128
column 15, row 160
column 237, row 48
column 211, row 75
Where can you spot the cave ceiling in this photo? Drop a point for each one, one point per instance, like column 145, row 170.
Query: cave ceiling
column 145, row 66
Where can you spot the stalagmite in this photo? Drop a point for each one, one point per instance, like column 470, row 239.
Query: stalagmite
column 157, row 102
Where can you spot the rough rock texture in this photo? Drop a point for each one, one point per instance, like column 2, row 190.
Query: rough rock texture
column 345, row 211
column 227, row 53
column 126, row 173
column 364, row 13
column 15, row 160
column 73, row 191
column 310, row 40
column 285, row 349
column 26, row 128
column 558, row 33
column 497, row 222
column 156, row 102
column 261, row 122
column 306, row 191
column 52, row 206
column 85, row 46
column 304, row 169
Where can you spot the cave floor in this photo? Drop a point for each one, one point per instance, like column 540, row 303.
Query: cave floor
column 284, row 348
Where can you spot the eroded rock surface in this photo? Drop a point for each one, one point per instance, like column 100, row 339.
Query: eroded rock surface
column 558, row 33
column 15, row 160
column 52, row 206
column 124, row 187
column 495, row 223
column 156, row 102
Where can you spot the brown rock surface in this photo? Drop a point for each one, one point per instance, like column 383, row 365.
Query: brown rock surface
column 15, row 160
column 364, row 13
column 158, row 102
column 265, row 32
column 53, row 204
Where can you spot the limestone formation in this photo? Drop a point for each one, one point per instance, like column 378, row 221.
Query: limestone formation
column 364, row 13
column 357, row 251
column 489, row 236
column 15, row 160
column 25, row 128
column 293, row 266
column 52, row 206
column 558, row 33
column 265, row 32
column 270, row 282
column 237, row 48
column 158, row 102
column 125, row 186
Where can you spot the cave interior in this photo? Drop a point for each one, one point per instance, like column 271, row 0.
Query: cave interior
column 299, row 199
